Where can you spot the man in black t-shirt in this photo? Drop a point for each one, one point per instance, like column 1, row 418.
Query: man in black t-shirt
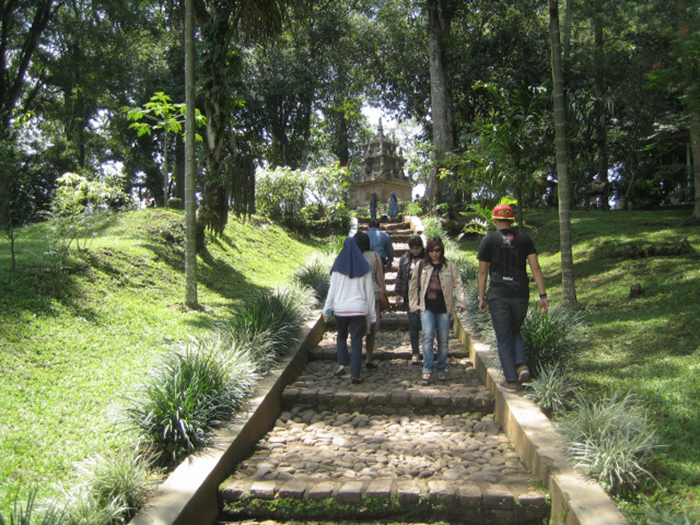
column 503, row 257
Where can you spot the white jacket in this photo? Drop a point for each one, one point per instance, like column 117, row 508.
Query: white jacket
column 348, row 297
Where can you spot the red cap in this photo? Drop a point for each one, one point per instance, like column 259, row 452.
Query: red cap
column 503, row 212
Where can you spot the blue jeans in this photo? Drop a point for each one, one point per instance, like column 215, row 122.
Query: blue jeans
column 435, row 324
column 356, row 325
column 507, row 316
column 414, row 325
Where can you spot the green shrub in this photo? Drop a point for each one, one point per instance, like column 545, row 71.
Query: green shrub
column 670, row 517
column 28, row 512
column 85, row 508
column 609, row 438
column 316, row 275
column 413, row 208
column 551, row 338
column 553, row 390
column 277, row 313
column 188, row 395
column 122, row 478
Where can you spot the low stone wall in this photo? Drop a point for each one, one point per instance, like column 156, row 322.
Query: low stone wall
column 576, row 498
column 189, row 496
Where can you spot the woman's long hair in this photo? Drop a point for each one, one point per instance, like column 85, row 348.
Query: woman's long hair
column 435, row 242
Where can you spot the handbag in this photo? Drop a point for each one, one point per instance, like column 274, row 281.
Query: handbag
column 384, row 304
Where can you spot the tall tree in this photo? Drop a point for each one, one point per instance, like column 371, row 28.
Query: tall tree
column 567, row 259
column 692, row 100
column 440, row 13
column 190, row 162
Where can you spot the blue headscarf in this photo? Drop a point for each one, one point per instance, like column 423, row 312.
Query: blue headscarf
column 350, row 260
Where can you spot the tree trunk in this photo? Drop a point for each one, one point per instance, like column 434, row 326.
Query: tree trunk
column 190, row 163
column 567, row 31
column 439, row 20
column 179, row 168
column 682, row 11
column 602, row 131
column 567, row 260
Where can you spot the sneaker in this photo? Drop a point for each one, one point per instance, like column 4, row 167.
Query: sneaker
column 340, row 371
column 356, row 380
column 509, row 387
column 371, row 366
column 523, row 374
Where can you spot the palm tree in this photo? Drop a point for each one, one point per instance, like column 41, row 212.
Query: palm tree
column 567, row 260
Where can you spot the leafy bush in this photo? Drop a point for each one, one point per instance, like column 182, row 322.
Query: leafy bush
column 551, row 338
column 188, row 395
column 671, row 517
column 609, row 438
column 316, row 275
column 553, row 390
column 413, row 208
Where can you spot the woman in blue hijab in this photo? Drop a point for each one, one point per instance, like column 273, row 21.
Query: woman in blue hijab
column 351, row 299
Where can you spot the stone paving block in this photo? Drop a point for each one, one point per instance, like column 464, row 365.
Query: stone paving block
column 440, row 492
column 307, row 396
column 418, row 398
column 380, row 398
column 235, row 489
column 321, row 490
column 400, row 398
column 350, row 492
column 380, row 488
column 498, row 497
column 468, row 495
column 407, row 491
column 293, row 488
column 265, row 489
column 441, row 399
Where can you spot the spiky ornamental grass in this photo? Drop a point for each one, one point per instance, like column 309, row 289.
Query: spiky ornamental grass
column 551, row 338
column 316, row 274
column 552, row 390
column 30, row 512
column 193, row 391
column 610, row 438
column 120, row 478
column 671, row 517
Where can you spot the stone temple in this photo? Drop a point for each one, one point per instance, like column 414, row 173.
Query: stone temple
column 381, row 171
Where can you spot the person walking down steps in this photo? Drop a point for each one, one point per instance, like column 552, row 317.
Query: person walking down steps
column 408, row 263
column 502, row 256
column 351, row 299
column 436, row 292
column 377, row 273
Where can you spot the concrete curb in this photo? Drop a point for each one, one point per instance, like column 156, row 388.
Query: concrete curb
column 189, row 496
column 576, row 498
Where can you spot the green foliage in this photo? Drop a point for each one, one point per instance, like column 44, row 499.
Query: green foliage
column 482, row 222
column 163, row 114
column 188, row 395
column 413, row 208
column 30, row 513
column 553, row 390
column 120, row 478
column 610, row 438
column 551, row 339
column 670, row 517
column 310, row 202
column 316, row 274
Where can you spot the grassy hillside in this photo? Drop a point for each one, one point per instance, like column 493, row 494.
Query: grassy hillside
column 649, row 345
column 67, row 359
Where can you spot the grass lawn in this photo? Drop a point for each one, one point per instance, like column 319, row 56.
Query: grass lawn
column 68, row 359
column 649, row 345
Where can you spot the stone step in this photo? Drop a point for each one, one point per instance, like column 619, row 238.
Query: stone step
column 327, row 465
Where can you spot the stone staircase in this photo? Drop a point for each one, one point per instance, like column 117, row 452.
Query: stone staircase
column 388, row 449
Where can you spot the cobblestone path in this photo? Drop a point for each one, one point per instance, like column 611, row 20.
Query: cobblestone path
column 388, row 450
